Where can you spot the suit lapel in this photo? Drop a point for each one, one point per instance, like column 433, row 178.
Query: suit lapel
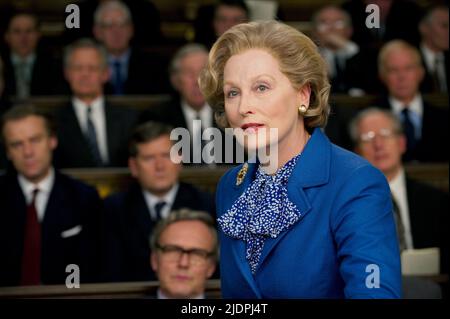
column 138, row 205
column 311, row 170
column 74, row 134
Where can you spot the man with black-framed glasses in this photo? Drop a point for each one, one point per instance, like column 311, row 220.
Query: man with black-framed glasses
column 184, row 254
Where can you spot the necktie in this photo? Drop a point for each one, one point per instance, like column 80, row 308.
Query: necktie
column 22, row 82
column 339, row 77
column 399, row 225
column 158, row 208
column 31, row 259
column 92, row 138
column 438, row 78
column 409, row 129
column 118, row 82
column 197, row 140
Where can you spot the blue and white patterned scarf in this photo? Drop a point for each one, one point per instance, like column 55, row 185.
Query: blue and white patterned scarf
column 263, row 210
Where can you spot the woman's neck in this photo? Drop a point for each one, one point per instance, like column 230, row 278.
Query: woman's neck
column 287, row 149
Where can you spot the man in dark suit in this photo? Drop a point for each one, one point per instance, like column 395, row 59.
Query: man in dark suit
column 133, row 214
column 132, row 71
column 28, row 71
column 434, row 50
column 91, row 132
column 425, row 126
column 49, row 221
column 423, row 209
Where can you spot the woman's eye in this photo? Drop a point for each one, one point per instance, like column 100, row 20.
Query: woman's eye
column 232, row 93
column 261, row 88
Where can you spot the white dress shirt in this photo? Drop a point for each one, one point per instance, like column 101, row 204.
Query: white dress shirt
column 45, row 188
column 151, row 200
column 99, row 120
column 28, row 72
column 205, row 114
column 161, row 295
column 399, row 192
column 206, row 118
column 343, row 54
column 416, row 112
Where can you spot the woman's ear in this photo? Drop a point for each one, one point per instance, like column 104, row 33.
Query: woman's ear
column 304, row 95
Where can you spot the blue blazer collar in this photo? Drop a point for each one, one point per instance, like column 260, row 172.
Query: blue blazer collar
column 311, row 170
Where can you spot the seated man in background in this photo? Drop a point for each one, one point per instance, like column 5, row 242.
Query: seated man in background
column 91, row 132
column 213, row 20
column 28, row 71
column 351, row 71
column 184, row 254
column 48, row 220
column 133, row 214
column 422, row 210
column 188, row 108
column 434, row 50
column 132, row 71
column 424, row 125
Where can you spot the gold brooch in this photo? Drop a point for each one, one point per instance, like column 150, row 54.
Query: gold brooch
column 241, row 175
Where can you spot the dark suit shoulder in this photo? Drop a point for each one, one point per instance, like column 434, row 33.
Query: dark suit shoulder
column 191, row 197
column 74, row 186
column 423, row 189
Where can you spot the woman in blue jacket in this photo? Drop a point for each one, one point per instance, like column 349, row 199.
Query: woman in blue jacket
column 314, row 220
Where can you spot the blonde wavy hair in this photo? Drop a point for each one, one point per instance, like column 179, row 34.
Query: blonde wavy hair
column 296, row 54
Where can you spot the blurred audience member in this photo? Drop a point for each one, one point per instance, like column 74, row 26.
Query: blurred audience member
column 133, row 214
column 184, row 254
column 187, row 109
column 350, row 70
column 425, row 126
column 145, row 17
column 434, row 50
column 27, row 70
column 3, row 106
column 398, row 19
column 132, row 71
column 213, row 20
column 422, row 210
column 48, row 220
column 91, row 132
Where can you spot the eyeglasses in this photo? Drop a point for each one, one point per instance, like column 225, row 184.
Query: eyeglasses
column 114, row 24
column 383, row 133
column 325, row 26
column 173, row 253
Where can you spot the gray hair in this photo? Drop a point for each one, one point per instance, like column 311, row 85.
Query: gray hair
column 395, row 45
column 354, row 123
column 85, row 43
column 185, row 214
column 184, row 51
column 112, row 5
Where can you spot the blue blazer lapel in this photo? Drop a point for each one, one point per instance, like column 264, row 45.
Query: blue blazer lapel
column 311, row 170
column 238, row 246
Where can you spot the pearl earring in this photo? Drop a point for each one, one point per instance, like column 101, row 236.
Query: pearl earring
column 302, row 109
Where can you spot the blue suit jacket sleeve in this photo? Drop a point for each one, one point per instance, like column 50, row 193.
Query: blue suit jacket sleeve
column 364, row 231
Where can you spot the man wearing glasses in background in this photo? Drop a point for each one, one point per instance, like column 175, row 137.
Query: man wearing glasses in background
column 421, row 211
column 184, row 253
